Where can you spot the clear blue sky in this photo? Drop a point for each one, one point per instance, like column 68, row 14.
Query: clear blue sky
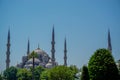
column 84, row 23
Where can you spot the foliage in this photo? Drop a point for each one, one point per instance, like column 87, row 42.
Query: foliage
column 1, row 77
column 85, row 74
column 37, row 72
column 24, row 74
column 74, row 69
column 10, row 73
column 58, row 73
column 45, row 75
column 102, row 66
column 33, row 54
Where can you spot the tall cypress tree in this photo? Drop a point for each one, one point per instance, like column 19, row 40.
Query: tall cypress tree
column 102, row 66
column 85, row 74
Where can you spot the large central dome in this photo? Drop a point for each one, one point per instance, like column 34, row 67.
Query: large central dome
column 40, row 51
column 42, row 55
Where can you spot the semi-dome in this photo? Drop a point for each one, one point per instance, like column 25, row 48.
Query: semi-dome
column 29, row 63
column 36, row 61
column 49, row 64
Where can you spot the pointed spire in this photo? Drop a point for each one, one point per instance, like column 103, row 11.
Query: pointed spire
column 38, row 46
column 109, row 42
column 8, row 36
column 65, row 45
column 53, row 35
column 65, row 53
column 8, row 50
column 28, row 47
column 53, row 47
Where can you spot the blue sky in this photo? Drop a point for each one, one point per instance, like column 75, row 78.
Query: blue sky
column 84, row 23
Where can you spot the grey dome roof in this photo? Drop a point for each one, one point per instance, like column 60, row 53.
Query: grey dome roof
column 40, row 51
column 42, row 55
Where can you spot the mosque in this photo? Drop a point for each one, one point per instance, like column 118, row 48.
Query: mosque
column 42, row 59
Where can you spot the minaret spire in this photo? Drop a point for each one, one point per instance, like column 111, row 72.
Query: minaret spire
column 8, row 50
column 53, row 47
column 38, row 46
column 65, row 53
column 109, row 42
column 28, row 47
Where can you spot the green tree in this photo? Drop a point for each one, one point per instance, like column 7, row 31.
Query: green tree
column 10, row 73
column 1, row 77
column 24, row 74
column 85, row 74
column 102, row 66
column 74, row 69
column 60, row 73
column 37, row 72
column 45, row 75
column 33, row 54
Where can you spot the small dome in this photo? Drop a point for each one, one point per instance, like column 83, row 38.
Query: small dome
column 48, row 65
column 50, row 61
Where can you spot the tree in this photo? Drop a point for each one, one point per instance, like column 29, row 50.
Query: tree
column 37, row 72
column 58, row 73
column 33, row 55
column 45, row 75
column 1, row 77
column 24, row 74
column 102, row 66
column 85, row 74
column 74, row 68
column 10, row 73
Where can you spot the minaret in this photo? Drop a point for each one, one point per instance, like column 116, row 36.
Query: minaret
column 109, row 42
column 28, row 48
column 53, row 47
column 65, row 53
column 8, row 50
